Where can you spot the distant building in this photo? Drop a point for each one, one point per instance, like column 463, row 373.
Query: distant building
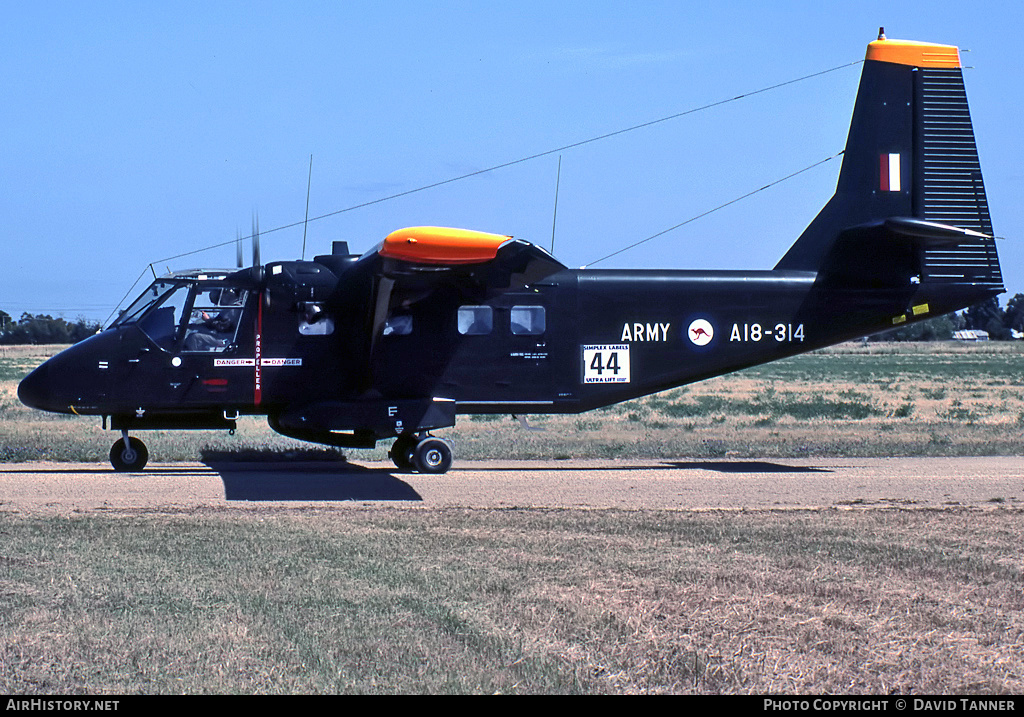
column 970, row 335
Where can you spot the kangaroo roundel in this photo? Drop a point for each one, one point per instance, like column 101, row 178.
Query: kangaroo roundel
column 701, row 332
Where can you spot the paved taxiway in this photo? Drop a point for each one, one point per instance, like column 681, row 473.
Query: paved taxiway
column 66, row 488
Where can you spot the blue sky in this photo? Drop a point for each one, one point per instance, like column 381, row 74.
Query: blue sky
column 137, row 131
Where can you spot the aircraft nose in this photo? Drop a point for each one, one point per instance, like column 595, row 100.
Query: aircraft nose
column 73, row 381
column 34, row 389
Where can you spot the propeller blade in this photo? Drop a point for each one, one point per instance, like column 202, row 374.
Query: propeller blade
column 256, row 241
column 238, row 248
column 257, row 266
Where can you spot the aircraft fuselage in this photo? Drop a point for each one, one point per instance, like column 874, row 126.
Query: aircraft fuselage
column 434, row 322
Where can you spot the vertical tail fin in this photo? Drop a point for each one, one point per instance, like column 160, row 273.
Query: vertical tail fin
column 910, row 172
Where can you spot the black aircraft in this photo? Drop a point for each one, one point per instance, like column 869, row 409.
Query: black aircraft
column 347, row 350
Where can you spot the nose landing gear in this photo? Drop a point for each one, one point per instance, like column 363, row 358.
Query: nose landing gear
column 128, row 454
column 421, row 453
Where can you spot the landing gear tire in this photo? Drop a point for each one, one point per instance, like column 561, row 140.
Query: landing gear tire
column 129, row 457
column 432, row 455
column 401, row 452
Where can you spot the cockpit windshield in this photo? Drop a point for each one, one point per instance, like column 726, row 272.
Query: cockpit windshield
column 149, row 297
column 212, row 313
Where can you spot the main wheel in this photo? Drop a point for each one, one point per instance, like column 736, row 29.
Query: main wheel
column 432, row 455
column 130, row 457
column 401, row 452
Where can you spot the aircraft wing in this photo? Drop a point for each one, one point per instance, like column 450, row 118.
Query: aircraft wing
column 417, row 262
column 494, row 261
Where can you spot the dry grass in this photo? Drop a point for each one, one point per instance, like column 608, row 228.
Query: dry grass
column 878, row 400
column 473, row 601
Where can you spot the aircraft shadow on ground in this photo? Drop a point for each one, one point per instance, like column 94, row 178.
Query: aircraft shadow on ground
column 719, row 466
column 306, row 480
column 748, row 467
column 100, row 470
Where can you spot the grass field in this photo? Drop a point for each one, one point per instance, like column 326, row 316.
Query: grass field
column 352, row 600
column 349, row 599
column 878, row 400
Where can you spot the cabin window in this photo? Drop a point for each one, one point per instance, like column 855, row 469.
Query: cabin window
column 314, row 320
column 322, row 326
column 400, row 325
column 214, row 319
column 475, row 320
column 528, row 320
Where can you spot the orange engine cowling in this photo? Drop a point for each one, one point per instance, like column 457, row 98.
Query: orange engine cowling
column 441, row 245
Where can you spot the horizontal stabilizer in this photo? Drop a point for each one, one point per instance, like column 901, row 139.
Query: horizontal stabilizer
column 895, row 252
column 931, row 233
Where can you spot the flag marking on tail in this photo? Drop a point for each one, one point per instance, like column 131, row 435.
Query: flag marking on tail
column 890, row 165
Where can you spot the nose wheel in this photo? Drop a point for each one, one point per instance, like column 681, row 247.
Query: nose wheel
column 421, row 454
column 128, row 454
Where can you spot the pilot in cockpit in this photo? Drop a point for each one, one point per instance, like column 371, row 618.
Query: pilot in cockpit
column 215, row 316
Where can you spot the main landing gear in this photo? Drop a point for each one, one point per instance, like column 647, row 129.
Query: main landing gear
column 128, row 454
column 421, row 453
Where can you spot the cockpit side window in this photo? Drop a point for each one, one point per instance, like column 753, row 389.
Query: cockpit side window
column 213, row 320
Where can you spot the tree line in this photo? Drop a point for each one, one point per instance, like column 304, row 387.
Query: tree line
column 44, row 329
column 1000, row 322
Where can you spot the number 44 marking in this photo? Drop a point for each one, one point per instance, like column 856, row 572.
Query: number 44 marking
column 613, row 363
column 606, row 363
